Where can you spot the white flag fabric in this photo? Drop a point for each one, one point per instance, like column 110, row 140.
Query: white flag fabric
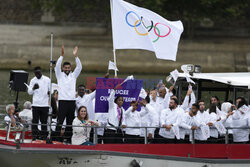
column 175, row 74
column 112, row 66
column 205, row 131
column 131, row 77
column 176, row 131
column 220, row 127
column 189, row 80
column 139, row 28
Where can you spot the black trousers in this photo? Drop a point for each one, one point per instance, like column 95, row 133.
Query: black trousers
column 66, row 110
column 39, row 113
column 113, row 136
column 157, row 138
column 132, row 139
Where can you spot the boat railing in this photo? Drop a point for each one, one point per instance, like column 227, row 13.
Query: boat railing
column 145, row 139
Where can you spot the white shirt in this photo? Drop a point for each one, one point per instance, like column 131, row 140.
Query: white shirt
column 187, row 122
column 40, row 95
column 113, row 114
column 186, row 106
column 26, row 115
column 67, row 83
column 80, row 133
column 163, row 103
column 87, row 101
column 169, row 117
column 133, row 119
column 149, row 120
column 239, row 120
column 202, row 117
column 213, row 117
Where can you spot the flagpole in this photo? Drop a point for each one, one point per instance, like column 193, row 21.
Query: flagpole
column 111, row 13
column 49, row 141
column 115, row 61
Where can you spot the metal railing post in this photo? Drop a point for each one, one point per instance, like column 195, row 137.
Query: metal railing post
column 95, row 140
column 146, row 136
column 23, row 133
column 8, row 131
column 193, row 142
column 226, row 137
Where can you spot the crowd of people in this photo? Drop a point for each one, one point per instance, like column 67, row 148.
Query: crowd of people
column 168, row 120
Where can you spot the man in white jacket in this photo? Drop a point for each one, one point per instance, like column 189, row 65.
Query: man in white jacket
column 190, row 122
column 168, row 119
column 39, row 87
column 66, row 81
column 239, row 118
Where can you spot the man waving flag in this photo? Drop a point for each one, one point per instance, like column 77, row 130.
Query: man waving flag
column 139, row 28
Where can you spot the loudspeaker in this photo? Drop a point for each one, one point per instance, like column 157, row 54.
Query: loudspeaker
column 17, row 80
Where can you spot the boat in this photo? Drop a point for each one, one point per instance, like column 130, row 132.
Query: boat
column 17, row 150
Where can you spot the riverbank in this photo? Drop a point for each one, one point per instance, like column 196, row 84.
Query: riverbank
column 21, row 44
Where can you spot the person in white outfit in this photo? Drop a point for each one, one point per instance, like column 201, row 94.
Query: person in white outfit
column 203, row 117
column 81, row 129
column 66, row 81
column 113, row 133
column 190, row 122
column 168, row 119
column 239, row 118
column 150, row 119
column 86, row 100
column 26, row 114
column 39, row 87
column 133, row 119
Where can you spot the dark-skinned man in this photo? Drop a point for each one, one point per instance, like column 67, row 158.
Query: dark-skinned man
column 39, row 87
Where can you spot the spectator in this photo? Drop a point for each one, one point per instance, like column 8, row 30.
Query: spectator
column 12, row 117
column 26, row 113
column 81, row 131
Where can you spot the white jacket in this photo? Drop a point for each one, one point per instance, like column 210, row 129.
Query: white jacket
column 150, row 119
column 239, row 120
column 113, row 114
column 133, row 119
column 80, row 133
column 169, row 117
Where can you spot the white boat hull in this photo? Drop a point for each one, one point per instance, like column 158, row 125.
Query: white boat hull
column 28, row 157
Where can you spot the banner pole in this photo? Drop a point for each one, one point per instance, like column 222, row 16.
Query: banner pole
column 111, row 14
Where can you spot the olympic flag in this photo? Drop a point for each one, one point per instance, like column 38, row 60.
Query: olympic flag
column 139, row 28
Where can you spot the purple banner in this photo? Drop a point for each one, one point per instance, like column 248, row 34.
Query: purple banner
column 129, row 90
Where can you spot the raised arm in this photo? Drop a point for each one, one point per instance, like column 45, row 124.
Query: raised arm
column 111, row 98
column 59, row 63
column 128, row 111
column 167, row 96
column 78, row 68
column 146, row 111
column 185, row 103
column 92, row 95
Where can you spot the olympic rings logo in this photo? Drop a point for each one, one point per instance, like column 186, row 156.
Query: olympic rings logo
column 149, row 28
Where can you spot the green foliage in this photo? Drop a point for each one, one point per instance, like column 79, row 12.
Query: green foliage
column 190, row 12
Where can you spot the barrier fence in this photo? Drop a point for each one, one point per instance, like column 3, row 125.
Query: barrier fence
column 96, row 138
